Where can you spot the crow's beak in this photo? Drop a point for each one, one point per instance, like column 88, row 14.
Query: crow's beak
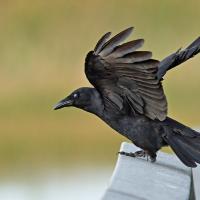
column 63, row 103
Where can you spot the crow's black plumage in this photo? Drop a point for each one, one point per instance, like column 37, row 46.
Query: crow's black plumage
column 128, row 95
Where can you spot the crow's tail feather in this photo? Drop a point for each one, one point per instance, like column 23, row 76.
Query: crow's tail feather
column 178, row 57
column 185, row 142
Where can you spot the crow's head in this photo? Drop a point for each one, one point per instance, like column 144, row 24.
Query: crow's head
column 85, row 98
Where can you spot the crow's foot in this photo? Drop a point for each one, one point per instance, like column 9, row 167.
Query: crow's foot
column 141, row 153
column 136, row 154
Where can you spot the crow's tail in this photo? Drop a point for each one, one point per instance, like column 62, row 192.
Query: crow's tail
column 178, row 57
column 184, row 141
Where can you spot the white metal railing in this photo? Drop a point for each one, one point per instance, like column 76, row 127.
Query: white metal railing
column 167, row 178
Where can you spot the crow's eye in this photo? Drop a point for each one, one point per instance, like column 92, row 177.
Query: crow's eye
column 75, row 95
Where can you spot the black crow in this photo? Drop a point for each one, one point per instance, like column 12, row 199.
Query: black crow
column 128, row 96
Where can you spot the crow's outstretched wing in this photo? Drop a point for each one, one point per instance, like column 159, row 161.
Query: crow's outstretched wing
column 126, row 78
column 178, row 57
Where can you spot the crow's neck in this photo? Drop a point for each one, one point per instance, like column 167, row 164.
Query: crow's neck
column 95, row 104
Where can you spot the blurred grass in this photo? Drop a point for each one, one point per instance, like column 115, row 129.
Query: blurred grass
column 42, row 50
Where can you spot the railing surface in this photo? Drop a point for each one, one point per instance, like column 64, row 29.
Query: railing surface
column 167, row 178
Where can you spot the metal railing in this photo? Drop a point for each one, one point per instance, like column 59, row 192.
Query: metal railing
column 166, row 179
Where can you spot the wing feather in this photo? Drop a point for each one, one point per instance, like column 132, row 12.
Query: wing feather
column 101, row 42
column 125, row 77
column 113, row 42
column 126, row 48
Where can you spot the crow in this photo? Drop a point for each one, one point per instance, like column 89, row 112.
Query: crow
column 128, row 96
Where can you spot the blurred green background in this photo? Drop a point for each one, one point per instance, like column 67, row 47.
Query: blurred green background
column 42, row 49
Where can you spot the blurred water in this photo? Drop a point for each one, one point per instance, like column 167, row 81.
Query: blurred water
column 88, row 184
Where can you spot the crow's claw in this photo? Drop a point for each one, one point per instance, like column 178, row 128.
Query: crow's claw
column 127, row 154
